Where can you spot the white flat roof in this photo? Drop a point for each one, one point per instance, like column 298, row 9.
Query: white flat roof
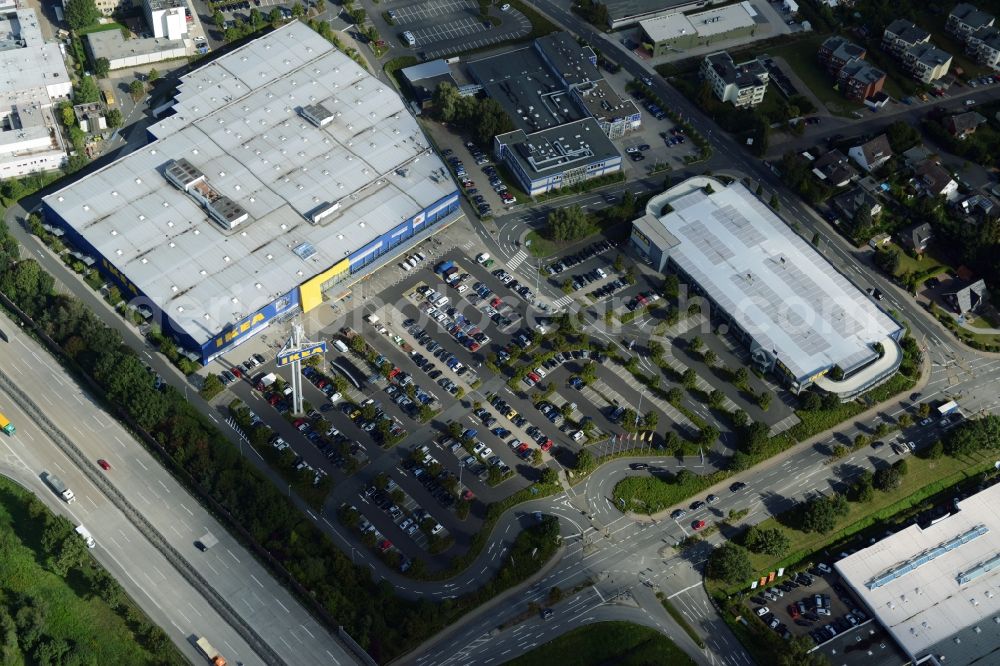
column 239, row 124
column 775, row 285
column 945, row 588
column 705, row 24
column 26, row 72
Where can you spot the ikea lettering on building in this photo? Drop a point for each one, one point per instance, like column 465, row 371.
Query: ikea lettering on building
column 285, row 173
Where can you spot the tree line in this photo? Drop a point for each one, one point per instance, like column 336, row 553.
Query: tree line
column 381, row 622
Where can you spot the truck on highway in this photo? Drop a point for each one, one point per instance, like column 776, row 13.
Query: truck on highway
column 6, row 425
column 947, row 408
column 57, row 485
column 86, row 536
column 210, row 652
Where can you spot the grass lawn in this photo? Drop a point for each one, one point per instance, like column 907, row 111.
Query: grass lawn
column 925, row 477
column 101, row 27
column 538, row 246
column 74, row 611
column 619, row 643
column 908, row 264
column 801, row 57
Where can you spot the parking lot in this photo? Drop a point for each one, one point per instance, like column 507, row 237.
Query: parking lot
column 432, row 9
column 449, row 30
column 813, row 604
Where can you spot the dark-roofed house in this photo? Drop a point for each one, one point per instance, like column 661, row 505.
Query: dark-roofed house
column 741, row 84
column 857, row 202
column 901, row 35
column 966, row 19
column 834, row 168
column 968, row 298
column 979, row 207
column 917, row 237
column 835, row 52
column 859, row 80
column 962, row 125
column 935, row 181
column 873, row 154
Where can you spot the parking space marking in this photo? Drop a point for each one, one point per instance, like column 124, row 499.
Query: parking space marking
column 445, row 31
column 430, row 9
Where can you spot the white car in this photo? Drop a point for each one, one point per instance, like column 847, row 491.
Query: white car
column 408, row 37
column 763, row 610
column 483, row 258
column 486, row 453
column 478, row 448
column 505, row 7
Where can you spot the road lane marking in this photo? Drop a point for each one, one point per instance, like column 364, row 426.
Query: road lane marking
column 282, row 606
column 141, row 465
column 257, row 581
column 185, row 508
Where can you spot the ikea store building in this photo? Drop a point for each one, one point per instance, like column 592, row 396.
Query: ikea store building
column 284, row 172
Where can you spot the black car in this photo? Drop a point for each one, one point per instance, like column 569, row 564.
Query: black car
column 738, row 486
column 638, row 466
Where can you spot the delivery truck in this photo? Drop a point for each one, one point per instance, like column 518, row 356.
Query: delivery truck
column 86, row 536
column 6, row 425
column 210, row 652
column 57, row 485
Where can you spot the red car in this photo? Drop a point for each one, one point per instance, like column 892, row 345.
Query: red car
column 385, row 545
column 698, row 524
column 547, row 445
column 495, row 302
column 273, row 399
column 236, row 371
column 468, row 495
column 534, row 377
column 103, row 464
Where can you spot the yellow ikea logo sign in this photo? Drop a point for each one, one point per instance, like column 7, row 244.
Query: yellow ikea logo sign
column 238, row 330
column 301, row 355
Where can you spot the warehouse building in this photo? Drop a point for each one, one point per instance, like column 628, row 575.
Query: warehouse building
column 677, row 32
column 623, row 13
column 285, row 171
column 125, row 53
column 936, row 589
column 796, row 314
column 553, row 82
column 33, row 78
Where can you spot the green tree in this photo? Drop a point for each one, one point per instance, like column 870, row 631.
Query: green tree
column 902, row 136
column 739, row 418
column 741, row 376
column 298, row 10
column 137, row 89
column 771, row 541
column 446, row 102
column 114, row 118
column 81, row 13
column 935, row 450
column 153, row 76
column 696, row 344
column 820, row 513
column 972, row 436
column 569, row 223
column 101, row 67
column 730, row 564
column 716, row 399
column 219, row 18
column 689, row 379
column 87, row 91
column 861, row 441
column 764, row 399
column 863, row 490
column 774, row 203
column 674, row 396
column 651, row 419
column 710, row 358
column 887, row 479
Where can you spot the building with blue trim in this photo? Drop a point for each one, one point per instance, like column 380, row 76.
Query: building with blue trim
column 285, row 171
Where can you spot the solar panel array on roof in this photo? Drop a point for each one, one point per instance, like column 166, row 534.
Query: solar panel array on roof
column 775, row 285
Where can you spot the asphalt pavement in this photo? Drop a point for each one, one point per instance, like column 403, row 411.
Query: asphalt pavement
column 230, row 569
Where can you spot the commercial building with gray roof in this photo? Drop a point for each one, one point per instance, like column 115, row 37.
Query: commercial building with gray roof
column 797, row 315
column 936, row 589
column 285, row 172
column 623, row 13
column 558, row 156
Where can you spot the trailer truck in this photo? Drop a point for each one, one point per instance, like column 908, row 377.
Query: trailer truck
column 210, row 652
column 57, row 485
column 6, row 425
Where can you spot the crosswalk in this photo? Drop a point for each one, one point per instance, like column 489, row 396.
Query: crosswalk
column 562, row 302
column 517, row 260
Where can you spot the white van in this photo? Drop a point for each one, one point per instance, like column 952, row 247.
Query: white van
column 340, row 346
column 335, row 397
column 483, row 258
column 601, row 273
column 442, row 301
column 405, row 266
column 421, row 256
column 408, row 37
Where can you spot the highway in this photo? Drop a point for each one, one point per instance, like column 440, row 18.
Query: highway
column 267, row 607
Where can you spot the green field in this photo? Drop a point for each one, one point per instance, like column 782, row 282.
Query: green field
column 607, row 643
column 801, row 57
column 55, row 601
